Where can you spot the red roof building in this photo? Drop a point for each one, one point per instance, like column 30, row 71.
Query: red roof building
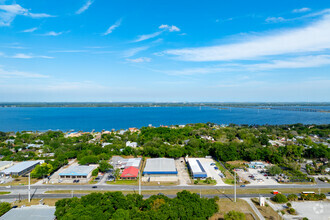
column 130, row 173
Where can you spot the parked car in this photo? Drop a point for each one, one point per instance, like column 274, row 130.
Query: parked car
column 216, row 168
column 212, row 164
column 94, row 187
column 242, row 185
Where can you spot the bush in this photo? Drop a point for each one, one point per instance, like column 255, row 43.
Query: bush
column 234, row 215
column 289, row 205
column 95, row 172
column 4, row 207
column 196, row 182
column 292, row 197
column 291, row 211
column 280, row 198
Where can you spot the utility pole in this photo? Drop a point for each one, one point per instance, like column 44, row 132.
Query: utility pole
column 139, row 182
column 29, row 188
column 235, row 188
column 71, row 193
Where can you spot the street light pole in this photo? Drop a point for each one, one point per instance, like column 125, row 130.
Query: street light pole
column 235, row 187
column 139, row 182
column 29, row 188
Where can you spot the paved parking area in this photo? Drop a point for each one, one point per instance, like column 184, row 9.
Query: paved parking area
column 211, row 172
column 183, row 174
column 319, row 210
column 259, row 178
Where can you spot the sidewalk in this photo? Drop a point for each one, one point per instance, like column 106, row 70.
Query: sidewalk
column 248, row 200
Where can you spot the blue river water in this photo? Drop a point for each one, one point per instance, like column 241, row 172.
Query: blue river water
column 87, row 119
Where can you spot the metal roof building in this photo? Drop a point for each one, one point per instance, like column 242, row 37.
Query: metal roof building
column 196, row 168
column 21, row 168
column 160, row 166
column 5, row 164
column 36, row 212
column 77, row 172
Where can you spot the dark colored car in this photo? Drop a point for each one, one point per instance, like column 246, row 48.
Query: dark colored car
column 242, row 185
column 94, row 187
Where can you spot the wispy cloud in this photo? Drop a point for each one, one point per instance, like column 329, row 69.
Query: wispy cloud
column 311, row 38
column 69, row 51
column 134, row 51
column 275, row 19
column 292, row 63
column 20, row 74
column 139, row 60
column 163, row 27
column 9, row 12
column 30, row 30
column 170, row 28
column 113, row 27
column 301, row 10
column 53, row 33
column 148, row 36
column 85, row 6
column 29, row 56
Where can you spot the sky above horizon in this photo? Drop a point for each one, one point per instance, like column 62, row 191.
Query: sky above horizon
column 164, row 51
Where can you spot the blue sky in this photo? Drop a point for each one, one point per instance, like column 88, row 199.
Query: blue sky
column 105, row 50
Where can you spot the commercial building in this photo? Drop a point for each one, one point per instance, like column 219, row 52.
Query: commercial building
column 160, row 169
column 257, row 165
column 130, row 173
column 122, row 163
column 77, row 172
column 196, row 168
column 35, row 212
column 5, row 164
column 21, row 168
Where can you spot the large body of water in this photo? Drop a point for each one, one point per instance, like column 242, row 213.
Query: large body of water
column 87, row 119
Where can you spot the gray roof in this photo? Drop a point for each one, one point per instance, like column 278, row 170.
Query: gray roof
column 37, row 212
column 77, row 171
column 160, row 165
column 5, row 163
column 20, row 167
column 196, row 166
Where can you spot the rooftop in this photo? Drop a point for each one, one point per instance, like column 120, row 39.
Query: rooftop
column 20, row 167
column 77, row 171
column 196, row 166
column 36, row 212
column 160, row 166
column 130, row 172
column 5, row 163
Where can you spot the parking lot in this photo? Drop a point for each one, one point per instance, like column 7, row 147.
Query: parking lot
column 211, row 171
column 256, row 177
column 311, row 209
column 183, row 174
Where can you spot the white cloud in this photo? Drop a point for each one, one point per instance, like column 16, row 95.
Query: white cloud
column 28, row 56
column 300, row 10
column 275, row 19
column 84, row 7
column 293, row 63
column 113, row 27
column 148, row 36
column 9, row 12
column 69, row 51
column 311, row 38
column 170, row 28
column 53, row 33
column 134, row 51
column 14, row 74
column 163, row 27
column 139, row 60
column 30, row 30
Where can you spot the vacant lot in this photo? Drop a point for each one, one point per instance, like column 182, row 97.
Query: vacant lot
column 226, row 205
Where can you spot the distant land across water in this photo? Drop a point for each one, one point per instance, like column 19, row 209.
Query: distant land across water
column 107, row 118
